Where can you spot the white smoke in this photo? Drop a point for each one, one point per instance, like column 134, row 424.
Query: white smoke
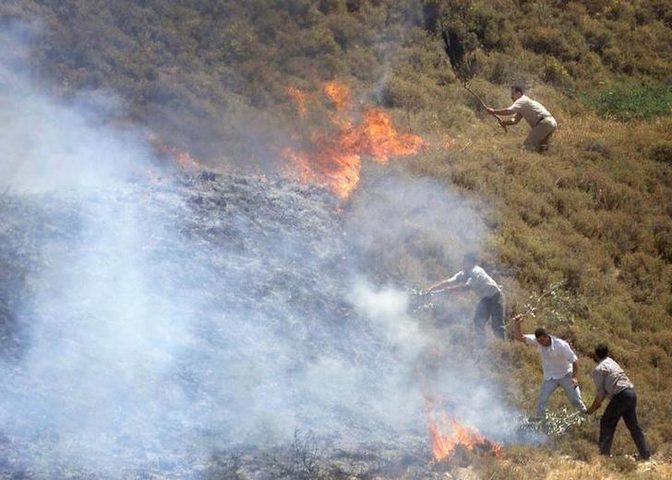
column 166, row 322
column 47, row 144
column 456, row 386
column 396, row 220
column 388, row 311
column 102, row 339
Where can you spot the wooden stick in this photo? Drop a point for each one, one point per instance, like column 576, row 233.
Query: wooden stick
column 455, row 53
column 485, row 106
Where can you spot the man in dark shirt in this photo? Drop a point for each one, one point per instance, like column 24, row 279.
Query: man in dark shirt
column 611, row 381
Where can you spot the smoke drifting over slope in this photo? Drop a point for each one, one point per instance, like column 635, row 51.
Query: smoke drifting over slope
column 156, row 321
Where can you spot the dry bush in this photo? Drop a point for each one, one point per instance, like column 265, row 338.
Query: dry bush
column 661, row 152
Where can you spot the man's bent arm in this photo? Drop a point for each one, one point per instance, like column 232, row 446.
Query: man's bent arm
column 596, row 404
column 517, row 333
column 511, row 121
column 503, row 111
column 575, row 372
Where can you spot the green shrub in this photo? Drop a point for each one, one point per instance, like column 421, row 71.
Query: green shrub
column 401, row 93
column 502, row 69
column 588, row 67
column 583, row 449
column 662, row 235
column 623, row 101
column 556, row 74
column 641, row 273
column 597, row 146
column 623, row 464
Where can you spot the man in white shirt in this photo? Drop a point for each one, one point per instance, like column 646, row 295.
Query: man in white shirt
column 541, row 122
column 558, row 362
column 491, row 299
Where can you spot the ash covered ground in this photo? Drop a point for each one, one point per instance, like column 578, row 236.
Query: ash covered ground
column 211, row 326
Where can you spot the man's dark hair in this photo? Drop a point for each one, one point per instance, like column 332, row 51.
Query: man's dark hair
column 470, row 257
column 518, row 88
column 601, row 351
column 540, row 332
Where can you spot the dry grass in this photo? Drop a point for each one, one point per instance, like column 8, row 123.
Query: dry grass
column 594, row 214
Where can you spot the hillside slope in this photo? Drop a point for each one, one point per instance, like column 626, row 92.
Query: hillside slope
column 582, row 234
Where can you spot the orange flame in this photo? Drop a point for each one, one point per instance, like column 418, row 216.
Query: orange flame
column 444, row 445
column 338, row 94
column 334, row 158
column 340, row 174
column 381, row 140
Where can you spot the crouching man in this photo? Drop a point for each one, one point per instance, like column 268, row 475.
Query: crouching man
column 542, row 124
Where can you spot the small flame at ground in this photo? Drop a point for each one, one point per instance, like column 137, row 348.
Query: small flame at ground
column 182, row 159
column 334, row 157
column 445, row 444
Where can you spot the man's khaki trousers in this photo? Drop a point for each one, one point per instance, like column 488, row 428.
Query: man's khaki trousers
column 541, row 134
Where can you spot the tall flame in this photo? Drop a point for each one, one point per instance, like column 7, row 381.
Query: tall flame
column 334, row 157
column 381, row 140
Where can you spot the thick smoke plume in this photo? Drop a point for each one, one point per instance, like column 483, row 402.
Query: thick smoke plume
column 161, row 320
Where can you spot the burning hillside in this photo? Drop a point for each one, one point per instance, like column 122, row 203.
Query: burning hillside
column 150, row 325
column 172, row 322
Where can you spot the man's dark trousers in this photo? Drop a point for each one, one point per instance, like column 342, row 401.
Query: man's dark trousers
column 493, row 308
column 623, row 404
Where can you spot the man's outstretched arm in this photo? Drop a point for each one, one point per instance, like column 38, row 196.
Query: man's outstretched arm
column 448, row 286
column 515, row 323
column 511, row 121
column 456, row 282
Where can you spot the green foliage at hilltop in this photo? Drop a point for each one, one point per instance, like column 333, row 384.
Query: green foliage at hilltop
column 593, row 216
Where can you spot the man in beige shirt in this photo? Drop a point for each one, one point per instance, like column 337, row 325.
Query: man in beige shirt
column 611, row 381
column 541, row 122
